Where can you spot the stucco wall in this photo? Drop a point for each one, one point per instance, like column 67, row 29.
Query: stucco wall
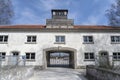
column 17, row 42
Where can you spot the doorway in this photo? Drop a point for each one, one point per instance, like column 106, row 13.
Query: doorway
column 14, row 58
column 104, row 59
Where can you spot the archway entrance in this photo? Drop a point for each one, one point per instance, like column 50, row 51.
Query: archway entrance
column 62, row 57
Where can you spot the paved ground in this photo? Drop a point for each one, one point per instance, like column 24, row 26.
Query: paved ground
column 58, row 74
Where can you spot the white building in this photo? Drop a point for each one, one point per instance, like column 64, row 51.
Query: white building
column 59, row 35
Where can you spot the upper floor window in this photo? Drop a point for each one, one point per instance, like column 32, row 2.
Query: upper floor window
column 89, row 56
column 2, row 55
column 30, row 56
column 31, row 39
column 115, row 39
column 60, row 39
column 54, row 13
column 65, row 13
column 88, row 39
column 3, row 38
column 116, row 56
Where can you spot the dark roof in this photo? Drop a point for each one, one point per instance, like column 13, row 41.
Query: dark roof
column 44, row 27
column 59, row 10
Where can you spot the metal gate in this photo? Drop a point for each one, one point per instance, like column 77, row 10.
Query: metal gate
column 59, row 59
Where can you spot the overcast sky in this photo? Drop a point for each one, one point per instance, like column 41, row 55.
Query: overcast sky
column 84, row 12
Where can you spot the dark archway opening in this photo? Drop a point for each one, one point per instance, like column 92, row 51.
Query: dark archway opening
column 60, row 59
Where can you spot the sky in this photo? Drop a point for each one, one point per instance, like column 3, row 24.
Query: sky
column 84, row 12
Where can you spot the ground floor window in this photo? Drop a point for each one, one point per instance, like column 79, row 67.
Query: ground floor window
column 30, row 56
column 89, row 56
column 2, row 55
column 116, row 56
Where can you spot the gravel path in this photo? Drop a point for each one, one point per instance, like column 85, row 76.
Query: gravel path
column 58, row 74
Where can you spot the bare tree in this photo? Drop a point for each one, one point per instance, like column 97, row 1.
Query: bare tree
column 6, row 12
column 113, row 14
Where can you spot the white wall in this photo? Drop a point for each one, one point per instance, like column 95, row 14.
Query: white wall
column 16, row 42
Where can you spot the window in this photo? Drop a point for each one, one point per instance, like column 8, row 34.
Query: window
column 115, row 39
column 4, row 38
column 2, row 55
column 15, row 53
column 65, row 13
column 54, row 13
column 31, row 39
column 89, row 56
column 88, row 39
column 116, row 56
column 30, row 56
column 60, row 39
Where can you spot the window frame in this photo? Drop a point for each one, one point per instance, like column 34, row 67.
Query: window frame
column 32, row 40
column 60, row 39
column 4, row 39
column 87, row 40
column 89, row 56
column 117, row 56
column 3, row 57
column 30, row 56
column 115, row 39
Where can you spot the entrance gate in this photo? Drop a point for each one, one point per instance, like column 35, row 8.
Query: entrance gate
column 59, row 59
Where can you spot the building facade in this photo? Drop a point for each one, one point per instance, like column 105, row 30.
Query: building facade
column 36, row 43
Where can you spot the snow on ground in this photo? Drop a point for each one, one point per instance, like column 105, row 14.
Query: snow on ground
column 58, row 74
column 28, row 73
column 16, row 73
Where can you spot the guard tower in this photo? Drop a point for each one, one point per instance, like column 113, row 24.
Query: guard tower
column 59, row 19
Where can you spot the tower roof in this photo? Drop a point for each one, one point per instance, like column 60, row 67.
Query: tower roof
column 59, row 10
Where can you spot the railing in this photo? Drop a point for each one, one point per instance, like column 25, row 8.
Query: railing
column 10, row 60
column 96, row 73
column 107, row 61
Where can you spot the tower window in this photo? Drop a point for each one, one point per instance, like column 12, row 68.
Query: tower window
column 53, row 13
column 65, row 13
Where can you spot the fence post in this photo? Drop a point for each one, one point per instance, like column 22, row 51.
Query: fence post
column 24, row 60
